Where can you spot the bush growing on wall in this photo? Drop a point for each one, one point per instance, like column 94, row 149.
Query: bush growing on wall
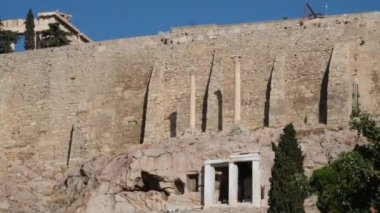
column 351, row 183
column 342, row 185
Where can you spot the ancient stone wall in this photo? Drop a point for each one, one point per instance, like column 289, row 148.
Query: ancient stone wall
column 103, row 97
column 96, row 91
column 298, row 71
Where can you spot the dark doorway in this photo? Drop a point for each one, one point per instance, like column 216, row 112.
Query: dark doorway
column 173, row 124
column 221, row 184
column 245, row 182
column 179, row 186
column 219, row 96
column 192, row 182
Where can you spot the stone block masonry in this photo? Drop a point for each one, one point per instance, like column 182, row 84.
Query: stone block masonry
column 99, row 89
column 293, row 56
column 128, row 91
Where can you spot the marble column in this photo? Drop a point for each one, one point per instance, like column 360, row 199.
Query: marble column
column 237, row 101
column 192, row 101
column 13, row 46
column 233, row 172
column 35, row 40
column 256, row 189
column 209, row 185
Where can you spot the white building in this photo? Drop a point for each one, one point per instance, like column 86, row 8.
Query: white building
column 42, row 23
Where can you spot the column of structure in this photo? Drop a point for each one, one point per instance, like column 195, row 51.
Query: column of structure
column 192, row 100
column 233, row 179
column 35, row 40
column 209, row 185
column 256, row 188
column 233, row 172
column 237, row 101
column 13, row 46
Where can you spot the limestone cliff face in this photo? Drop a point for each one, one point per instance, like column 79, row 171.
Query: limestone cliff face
column 153, row 177
column 67, row 105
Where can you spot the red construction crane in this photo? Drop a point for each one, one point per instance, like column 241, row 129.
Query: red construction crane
column 310, row 14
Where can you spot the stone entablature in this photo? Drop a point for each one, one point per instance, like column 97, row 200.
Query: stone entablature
column 236, row 184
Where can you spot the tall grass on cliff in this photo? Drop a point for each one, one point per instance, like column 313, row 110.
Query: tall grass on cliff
column 286, row 194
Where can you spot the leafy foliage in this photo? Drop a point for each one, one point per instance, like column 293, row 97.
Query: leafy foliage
column 54, row 37
column 6, row 39
column 342, row 185
column 30, row 43
column 287, row 193
column 351, row 183
column 370, row 129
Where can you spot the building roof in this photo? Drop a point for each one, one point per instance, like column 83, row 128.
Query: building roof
column 64, row 19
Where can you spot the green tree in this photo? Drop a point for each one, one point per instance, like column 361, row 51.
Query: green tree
column 285, row 194
column 54, row 37
column 370, row 128
column 351, row 183
column 30, row 42
column 7, row 38
column 342, row 186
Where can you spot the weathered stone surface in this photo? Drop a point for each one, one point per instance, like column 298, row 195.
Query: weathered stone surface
column 103, row 99
column 118, row 93
column 153, row 176
column 157, row 167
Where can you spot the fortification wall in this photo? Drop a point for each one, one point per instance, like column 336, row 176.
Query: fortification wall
column 88, row 95
column 113, row 94
column 298, row 71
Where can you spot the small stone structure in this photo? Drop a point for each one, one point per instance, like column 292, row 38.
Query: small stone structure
column 239, row 180
column 42, row 23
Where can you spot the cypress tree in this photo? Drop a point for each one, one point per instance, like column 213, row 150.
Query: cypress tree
column 54, row 37
column 30, row 43
column 285, row 194
column 6, row 39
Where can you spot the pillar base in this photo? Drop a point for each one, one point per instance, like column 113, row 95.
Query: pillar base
column 192, row 132
column 238, row 129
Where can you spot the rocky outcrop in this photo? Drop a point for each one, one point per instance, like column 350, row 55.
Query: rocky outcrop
column 153, row 177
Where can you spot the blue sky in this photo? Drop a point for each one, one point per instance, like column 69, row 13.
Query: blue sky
column 105, row 20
